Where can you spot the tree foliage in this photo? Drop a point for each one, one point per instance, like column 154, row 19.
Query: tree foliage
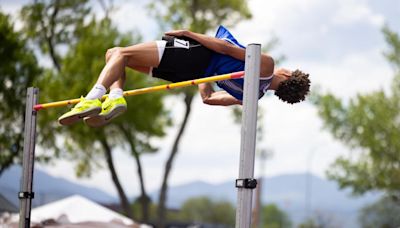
column 321, row 220
column 53, row 23
column 369, row 123
column 204, row 210
column 144, row 119
column 72, row 28
column 383, row 213
column 273, row 217
column 18, row 70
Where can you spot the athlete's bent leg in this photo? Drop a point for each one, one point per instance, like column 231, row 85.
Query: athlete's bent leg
column 143, row 55
column 131, row 57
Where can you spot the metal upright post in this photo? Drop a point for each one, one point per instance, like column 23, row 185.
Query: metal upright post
column 26, row 195
column 246, row 182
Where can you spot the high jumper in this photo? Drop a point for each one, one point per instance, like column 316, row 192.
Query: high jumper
column 183, row 55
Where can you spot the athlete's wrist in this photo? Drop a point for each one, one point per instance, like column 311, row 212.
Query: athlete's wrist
column 187, row 33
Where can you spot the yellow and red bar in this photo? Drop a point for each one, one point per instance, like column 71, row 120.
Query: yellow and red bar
column 134, row 92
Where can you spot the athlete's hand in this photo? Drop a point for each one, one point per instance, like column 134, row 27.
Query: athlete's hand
column 177, row 33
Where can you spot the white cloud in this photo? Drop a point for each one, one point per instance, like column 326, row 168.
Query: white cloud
column 353, row 12
column 351, row 74
column 12, row 6
column 129, row 17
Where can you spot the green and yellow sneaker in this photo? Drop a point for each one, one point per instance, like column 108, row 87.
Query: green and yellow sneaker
column 85, row 108
column 111, row 108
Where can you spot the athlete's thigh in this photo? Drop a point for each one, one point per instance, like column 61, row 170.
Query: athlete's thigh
column 143, row 55
column 141, row 69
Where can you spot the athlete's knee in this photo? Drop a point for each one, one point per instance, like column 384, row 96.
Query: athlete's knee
column 114, row 52
column 109, row 53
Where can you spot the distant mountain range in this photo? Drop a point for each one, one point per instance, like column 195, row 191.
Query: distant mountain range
column 47, row 188
column 300, row 195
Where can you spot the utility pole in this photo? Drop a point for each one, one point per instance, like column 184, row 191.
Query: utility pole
column 264, row 155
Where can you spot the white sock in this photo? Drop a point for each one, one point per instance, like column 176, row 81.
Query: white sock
column 97, row 92
column 116, row 93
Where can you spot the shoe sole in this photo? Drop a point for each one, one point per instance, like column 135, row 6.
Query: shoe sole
column 79, row 116
column 99, row 120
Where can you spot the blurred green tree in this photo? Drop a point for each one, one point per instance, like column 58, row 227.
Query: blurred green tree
column 199, row 16
column 383, row 213
column 204, row 210
column 83, row 59
column 133, row 130
column 369, row 123
column 18, row 70
column 273, row 217
column 52, row 24
column 309, row 223
column 320, row 220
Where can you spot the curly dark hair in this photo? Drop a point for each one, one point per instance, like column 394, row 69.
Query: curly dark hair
column 295, row 88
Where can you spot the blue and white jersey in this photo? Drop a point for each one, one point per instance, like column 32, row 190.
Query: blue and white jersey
column 223, row 64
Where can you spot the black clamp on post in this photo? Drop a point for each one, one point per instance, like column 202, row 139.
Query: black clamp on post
column 246, row 183
column 26, row 195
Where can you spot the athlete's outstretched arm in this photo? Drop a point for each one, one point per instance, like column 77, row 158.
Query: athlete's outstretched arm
column 211, row 97
column 226, row 48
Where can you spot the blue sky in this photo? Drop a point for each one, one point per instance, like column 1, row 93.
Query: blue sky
column 339, row 42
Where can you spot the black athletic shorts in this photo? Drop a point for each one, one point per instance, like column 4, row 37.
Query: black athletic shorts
column 183, row 59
